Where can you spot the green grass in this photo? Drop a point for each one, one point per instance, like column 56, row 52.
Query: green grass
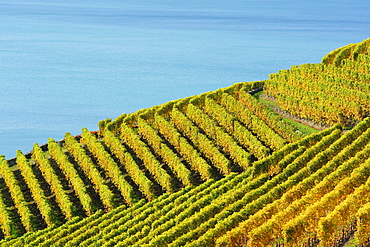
column 266, row 102
column 306, row 130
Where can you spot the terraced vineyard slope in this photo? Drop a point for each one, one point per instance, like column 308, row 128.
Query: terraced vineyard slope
column 313, row 190
column 336, row 90
column 139, row 156
column 216, row 169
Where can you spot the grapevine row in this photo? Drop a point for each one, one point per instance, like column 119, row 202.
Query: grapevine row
column 330, row 226
column 190, row 154
column 106, row 195
column 138, row 176
column 149, row 160
column 252, row 122
column 52, row 179
column 171, row 159
column 348, row 108
column 271, row 118
column 201, row 141
column 7, row 225
column 283, row 209
column 229, row 219
column 109, row 165
column 310, row 217
column 144, row 215
column 37, row 192
column 72, row 176
column 294, row 172
column 241, row 134
column 228, row 144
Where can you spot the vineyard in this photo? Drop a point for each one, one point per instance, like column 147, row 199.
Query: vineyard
column 218, row 169
column 334, row 91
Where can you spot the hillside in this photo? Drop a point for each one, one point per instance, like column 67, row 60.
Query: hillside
column 335, row 91
column 222, row 168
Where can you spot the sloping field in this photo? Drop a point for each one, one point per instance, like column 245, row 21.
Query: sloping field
column 336, row 90
column 217, row 169
column 313, row 188
column 140, row 155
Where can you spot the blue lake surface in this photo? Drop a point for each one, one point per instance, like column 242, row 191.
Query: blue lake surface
column 67, row 64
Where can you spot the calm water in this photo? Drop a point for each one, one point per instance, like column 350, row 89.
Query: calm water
column 66, row 65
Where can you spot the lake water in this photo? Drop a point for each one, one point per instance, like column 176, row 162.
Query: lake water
column 67, row 64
